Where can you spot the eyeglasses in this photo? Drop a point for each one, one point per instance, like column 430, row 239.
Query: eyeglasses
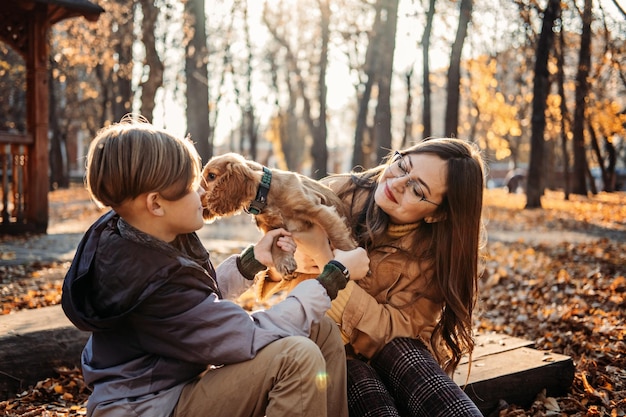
column 398, row 169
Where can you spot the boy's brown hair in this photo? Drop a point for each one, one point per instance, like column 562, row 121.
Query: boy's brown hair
column 133, row 157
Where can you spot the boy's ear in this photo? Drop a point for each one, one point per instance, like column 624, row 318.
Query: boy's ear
column 153, row 205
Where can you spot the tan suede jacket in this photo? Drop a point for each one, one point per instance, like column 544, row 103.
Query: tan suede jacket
column 396, row 300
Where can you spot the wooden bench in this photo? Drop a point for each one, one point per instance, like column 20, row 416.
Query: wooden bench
column 510, row 369
column 34, row 342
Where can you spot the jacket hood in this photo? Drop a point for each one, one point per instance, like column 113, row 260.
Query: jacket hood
column 111, row 275
column 77, row 284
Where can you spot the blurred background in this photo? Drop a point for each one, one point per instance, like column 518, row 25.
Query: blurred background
column 324, row 86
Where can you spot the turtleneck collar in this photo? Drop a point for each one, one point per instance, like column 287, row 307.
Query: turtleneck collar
column 399, row 230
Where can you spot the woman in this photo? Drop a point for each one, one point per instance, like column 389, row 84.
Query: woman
column 408, row 323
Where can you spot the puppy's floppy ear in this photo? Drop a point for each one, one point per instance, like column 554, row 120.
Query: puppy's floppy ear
column 241, row 182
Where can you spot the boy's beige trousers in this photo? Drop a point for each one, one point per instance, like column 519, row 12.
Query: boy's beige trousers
column 291, row 377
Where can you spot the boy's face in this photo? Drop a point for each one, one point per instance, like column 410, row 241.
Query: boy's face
column 185, row 214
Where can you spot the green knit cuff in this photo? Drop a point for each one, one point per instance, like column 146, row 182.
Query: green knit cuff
column 248, row 264
column 333, row 280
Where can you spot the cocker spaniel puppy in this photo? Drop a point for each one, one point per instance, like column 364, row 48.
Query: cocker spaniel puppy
column 276, row 199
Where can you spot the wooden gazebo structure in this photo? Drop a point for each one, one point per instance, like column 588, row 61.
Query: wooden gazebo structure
column 24, row 176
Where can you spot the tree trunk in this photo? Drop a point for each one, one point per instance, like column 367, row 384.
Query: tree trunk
column 534, row 186
column 362, row 141
column 454, row 72
column 320, row 149
column 382, row 117
column 288, row 153
column 426, row 110
column 197, row 76
column 249, row 116
column 104, row 82
column 565, row 117
column 152, row 62
column 610, row 180
column 595, row 147
column 123, row 39
column 582, row 89
column 59, row 176
column 607, row 173
column 408, row 119
column 289, row 130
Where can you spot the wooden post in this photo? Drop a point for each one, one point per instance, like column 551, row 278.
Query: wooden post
column 37, row 119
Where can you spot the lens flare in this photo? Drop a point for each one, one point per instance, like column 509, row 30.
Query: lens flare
column 321, row 380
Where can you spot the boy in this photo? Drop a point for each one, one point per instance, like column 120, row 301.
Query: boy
column 164, row 341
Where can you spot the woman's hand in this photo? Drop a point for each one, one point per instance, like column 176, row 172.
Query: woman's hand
column 263, row 248
column 356, row 260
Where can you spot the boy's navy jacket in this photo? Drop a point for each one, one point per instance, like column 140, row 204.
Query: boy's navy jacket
column 159, row 316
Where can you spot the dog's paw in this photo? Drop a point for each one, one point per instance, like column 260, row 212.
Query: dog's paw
column 286, row 265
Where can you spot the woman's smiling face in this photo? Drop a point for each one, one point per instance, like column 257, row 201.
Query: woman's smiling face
column 412, row 187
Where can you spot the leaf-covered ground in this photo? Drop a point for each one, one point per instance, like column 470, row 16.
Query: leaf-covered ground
column 556, row 276
column 568, row 297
